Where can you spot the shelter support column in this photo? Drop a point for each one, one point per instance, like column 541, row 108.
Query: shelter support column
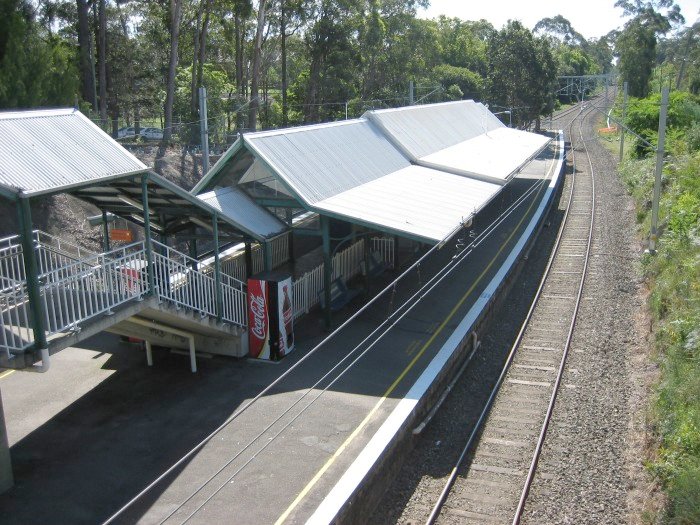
column 105, row 232
column 267, row 255
column 217, row 271
column 396, row 253
column 32, row 273
column 6, row 478
column 327, row 269
column 147, row 235
column 367, row 245
column 248, row 259
column 290, row 238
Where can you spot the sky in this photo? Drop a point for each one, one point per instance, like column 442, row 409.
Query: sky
column 591, row 18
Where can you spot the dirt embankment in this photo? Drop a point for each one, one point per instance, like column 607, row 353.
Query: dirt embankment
column 66, row 217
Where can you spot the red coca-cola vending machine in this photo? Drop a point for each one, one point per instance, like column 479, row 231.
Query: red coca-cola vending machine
column 270, row 316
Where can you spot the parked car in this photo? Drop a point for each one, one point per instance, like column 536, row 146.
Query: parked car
column 152, row 133
column 123, row 133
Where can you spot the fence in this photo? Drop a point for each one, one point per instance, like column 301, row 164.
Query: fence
column 179, row 282
column 346, row 265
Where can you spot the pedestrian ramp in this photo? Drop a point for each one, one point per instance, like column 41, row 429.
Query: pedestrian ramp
column 152, row 292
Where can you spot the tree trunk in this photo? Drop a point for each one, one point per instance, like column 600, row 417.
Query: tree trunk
column 195, row 57
column 255, row 74
column 84, row 43
column 283, row 50
column 102, row 60
column 175, row 11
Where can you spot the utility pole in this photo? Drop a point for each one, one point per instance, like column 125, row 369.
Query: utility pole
column 204, row 129
column 622, row 127
column 410, row 93
column 653, row 236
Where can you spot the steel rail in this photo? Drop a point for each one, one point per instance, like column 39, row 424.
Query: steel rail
column 442, row 498
column 450, row 265
column 550, row 408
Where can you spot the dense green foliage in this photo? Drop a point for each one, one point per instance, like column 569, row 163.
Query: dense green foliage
column 683, row 119
column 674, row 278
column 272, row 63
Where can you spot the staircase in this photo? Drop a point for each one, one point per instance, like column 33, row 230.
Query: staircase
column 151, row 292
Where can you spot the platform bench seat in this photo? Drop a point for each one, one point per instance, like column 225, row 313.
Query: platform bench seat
column 340, row 295
column 376, row 265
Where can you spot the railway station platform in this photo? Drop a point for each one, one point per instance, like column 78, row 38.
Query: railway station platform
column 311, row 449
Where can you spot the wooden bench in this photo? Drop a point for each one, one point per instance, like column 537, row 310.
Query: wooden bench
column 340, row 295
column 376, row 265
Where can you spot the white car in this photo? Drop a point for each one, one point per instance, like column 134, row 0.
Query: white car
column 123, row 133
column 152, row 133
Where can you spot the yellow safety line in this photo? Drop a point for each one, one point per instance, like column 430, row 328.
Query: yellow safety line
column 6, row 373
column 396, row 382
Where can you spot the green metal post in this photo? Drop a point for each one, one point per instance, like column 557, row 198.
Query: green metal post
column 327, row 269
column 396, row 253
column 367, row 244
column 193, row 251
column 217, row 271
column 248, row 259
column 147, row 234
column 290, row 240
column 622, row 123
column 31, row 270
column 105, row 232
column 267, row 256
column 654, row 234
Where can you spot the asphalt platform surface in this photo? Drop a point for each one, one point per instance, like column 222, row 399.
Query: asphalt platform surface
column 90, row 434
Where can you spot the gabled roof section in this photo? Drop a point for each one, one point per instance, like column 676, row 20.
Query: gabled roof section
column 237, row 207
column 421, row 130
column 49, row 151
column 415, row 202
column 461, row 137
column 320, row 161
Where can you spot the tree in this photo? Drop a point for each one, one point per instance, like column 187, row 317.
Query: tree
column 36, row 68
column 636, row 44
column 522, row 72
column 255, row 74
column 87, row 56
column 559, row 29
column 174, row 27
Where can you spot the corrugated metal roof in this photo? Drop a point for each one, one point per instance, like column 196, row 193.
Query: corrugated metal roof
column 50, row 150
column 320, row 161
column 418, row 201
column 242, row 210
column 493, row 156
column 421, row 130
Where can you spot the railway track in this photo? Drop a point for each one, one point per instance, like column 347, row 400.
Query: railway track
column 514, row 422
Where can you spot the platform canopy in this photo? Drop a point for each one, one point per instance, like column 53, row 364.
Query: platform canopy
column 461, row 137
column 357, row 170
column 46, row 152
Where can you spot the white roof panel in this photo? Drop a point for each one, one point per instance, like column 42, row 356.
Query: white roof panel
column 421, row 130
column 419, row 201
column 53, row 149
column 323, row 160
column 244, row 212
column 493, row 156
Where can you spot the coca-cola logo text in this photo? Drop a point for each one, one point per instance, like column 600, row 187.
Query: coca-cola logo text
column 257, row 308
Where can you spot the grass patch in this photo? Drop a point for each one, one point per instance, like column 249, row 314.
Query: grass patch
column 674, row 279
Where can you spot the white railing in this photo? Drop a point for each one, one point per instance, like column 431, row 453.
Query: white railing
column 234, row 264
column 384, row 246
column 14, row 312
column 305, row 291
column 84, row 289
column 346, row 265
column 178, row 280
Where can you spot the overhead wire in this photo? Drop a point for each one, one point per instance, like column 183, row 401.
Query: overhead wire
column 451, row 263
